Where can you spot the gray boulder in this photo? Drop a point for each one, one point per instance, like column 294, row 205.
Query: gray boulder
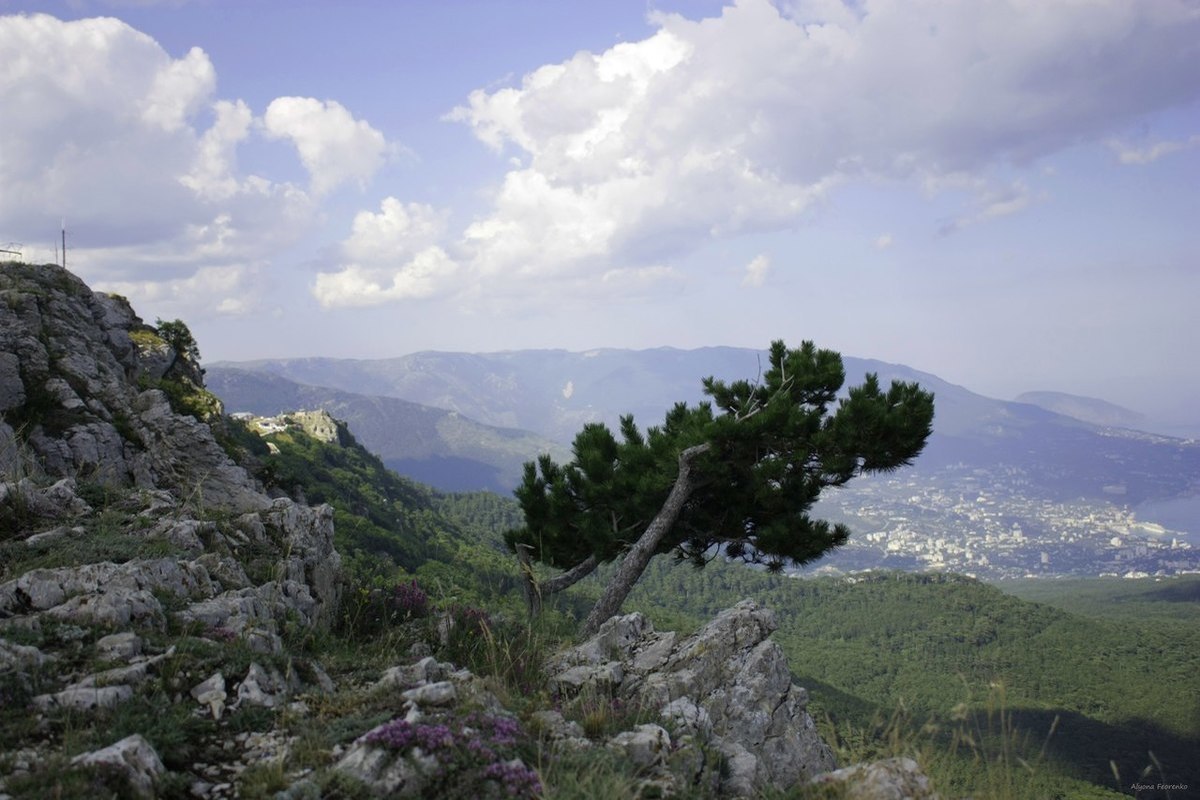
column 726, row 687
column 890, row 779
column 133, row 758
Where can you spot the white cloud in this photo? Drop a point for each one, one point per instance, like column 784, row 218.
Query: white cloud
column 640, row 281
column 134, row 149
column 883, row 242
column 334, row 147
column 740, row 123
column 213, row 172
column 178, row 91
column 229, row 289
column 391, row 255
column 756, row 271
column 354, row 285
column 1132, row 154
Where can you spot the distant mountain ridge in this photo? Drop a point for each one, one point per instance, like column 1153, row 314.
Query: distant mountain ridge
column 1087, row 409
column 441, row 448
column 554, row 392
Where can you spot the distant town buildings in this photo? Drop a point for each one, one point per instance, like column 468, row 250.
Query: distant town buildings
column 985, row 523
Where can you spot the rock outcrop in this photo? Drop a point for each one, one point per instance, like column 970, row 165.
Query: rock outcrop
column 112, row 474
column 82, row 390
column 84, row 387
column 725, row 689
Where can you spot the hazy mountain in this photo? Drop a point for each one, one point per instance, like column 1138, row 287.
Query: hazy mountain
column 553, row 392
column 432, row 445
column 1088, row 409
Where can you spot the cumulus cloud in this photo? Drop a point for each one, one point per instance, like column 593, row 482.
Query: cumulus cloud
column 134, row 149
column 335, row 147
column 741, row 122
column 228, row 289
column 756, row 271
column 390, row 255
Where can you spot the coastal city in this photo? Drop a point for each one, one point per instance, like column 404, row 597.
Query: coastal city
column 987, row 524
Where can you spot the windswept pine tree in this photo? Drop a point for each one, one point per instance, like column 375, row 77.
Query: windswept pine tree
column 736, row 475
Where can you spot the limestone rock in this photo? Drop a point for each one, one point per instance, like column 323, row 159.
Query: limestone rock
column 306, row 536
column 645, row 746
column 132, row 757
column 21, row 658
column 727, row 686
column 386, row 773
column 42, row 589
column 262, row 688
column 68, row 358
column 441, row 693
column 118, row 608
column 423, row 671
column 211, row 692
column 85, row 698
column 555, row 727
column 119, row 646
column 30, row 501
column 891, row 779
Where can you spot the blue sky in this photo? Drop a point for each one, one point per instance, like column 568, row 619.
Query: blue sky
column 1001, row 192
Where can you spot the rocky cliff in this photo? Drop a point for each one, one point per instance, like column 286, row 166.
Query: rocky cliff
column 122, row 517
column 86, row 389
column 95, row 398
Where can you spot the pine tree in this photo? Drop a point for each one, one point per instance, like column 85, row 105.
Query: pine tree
column 735, row 476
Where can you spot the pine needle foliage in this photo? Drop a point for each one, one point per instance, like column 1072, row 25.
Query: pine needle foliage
column 760, row 454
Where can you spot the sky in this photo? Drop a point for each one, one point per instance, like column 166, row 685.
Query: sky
column 1005, row 193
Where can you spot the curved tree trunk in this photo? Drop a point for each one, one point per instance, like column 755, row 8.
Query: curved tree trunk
column 534, row 591
column 635, row 560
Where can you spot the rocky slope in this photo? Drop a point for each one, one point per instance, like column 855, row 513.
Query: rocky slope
column 168, row 629
column 123, row 520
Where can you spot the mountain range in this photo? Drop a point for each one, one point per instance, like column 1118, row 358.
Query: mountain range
column 1003, row 490
column 552, row 393
column 1088, row 409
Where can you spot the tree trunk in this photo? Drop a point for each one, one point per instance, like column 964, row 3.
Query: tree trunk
column 534, row 591
column 635, row 560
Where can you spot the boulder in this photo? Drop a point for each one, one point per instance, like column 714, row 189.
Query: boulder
column 85, row 698
column 727, row 687
column 133, row 758
column 890, row 779
column 20, row 657
column 262, row 688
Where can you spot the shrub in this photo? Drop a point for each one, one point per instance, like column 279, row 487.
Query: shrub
column 370, row 611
